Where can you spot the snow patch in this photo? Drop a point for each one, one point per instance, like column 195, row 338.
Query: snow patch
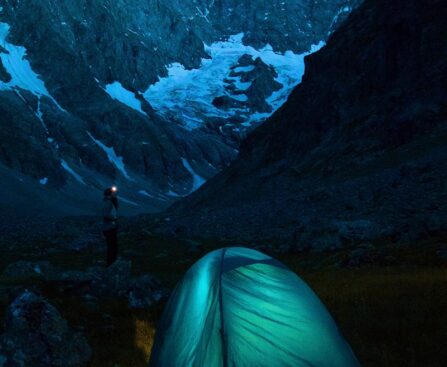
column 77, row 177
column 126, row 97
column 240, row 97
column 156, row 197
column 290, row 68
column 111, row 155
column 128, row 201
column 19, row 68
column 244, row 69
column 239, row 84
column 145, row 193
column 173, row 194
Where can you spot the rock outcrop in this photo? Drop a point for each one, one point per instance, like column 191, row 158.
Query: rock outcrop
column 115, row 281
column 37, row 335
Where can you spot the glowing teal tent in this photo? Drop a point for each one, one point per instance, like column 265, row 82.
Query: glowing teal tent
column 237, row 307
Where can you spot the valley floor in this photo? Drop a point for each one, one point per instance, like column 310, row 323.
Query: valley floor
column 391, row 308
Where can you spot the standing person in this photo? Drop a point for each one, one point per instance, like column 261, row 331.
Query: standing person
column 110, row 226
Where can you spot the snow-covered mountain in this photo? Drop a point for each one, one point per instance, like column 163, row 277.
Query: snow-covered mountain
column 152, row 95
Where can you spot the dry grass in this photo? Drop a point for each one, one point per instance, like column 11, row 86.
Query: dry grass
column 392, row 316
column 118, row 336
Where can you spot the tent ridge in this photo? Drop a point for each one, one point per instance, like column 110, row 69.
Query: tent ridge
column 221, row 306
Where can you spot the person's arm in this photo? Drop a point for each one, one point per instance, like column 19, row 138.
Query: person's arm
column 107, row 210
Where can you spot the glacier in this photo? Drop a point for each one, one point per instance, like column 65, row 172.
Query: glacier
column 188, row 94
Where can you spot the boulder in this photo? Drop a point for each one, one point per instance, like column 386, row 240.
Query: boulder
column 87, row 241
column 37, row 335
column 115, row 281
column 27, row 269
column 144, row 292
column 368, row 254
column 78, row 276
column 117, row 277
column 357, row 230
column 442, row 253
column 364, row 254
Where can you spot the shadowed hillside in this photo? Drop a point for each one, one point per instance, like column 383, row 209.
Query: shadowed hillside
column 358, row 151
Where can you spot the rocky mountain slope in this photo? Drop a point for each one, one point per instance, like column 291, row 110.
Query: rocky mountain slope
column 358, row 151
column 152, row 95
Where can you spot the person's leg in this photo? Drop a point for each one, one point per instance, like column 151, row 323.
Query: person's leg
column 109, row 241
column 114, row 245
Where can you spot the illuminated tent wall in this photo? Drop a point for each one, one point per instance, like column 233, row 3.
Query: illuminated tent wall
column 237, row 307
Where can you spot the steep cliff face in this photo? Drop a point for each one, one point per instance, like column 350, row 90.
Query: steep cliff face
column 91, row 91
column 358, row 151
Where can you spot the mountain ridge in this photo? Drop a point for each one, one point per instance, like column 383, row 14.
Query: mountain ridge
column 73, row 105
column 357, row 151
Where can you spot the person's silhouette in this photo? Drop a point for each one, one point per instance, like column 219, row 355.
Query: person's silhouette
column 110, row 223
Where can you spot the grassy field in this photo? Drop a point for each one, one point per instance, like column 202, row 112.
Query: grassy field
column 392, row 316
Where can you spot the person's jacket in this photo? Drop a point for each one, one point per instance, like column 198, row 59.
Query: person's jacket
column 109, row 214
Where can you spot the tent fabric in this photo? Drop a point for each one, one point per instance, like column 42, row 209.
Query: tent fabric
column 237, row 307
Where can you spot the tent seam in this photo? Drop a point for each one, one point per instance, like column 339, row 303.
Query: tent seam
column 222, row 321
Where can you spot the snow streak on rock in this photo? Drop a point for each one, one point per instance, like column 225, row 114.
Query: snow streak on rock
column 113, row 158
column 128, row 201
column 344, row 10
column 77, row 177
column 197, row 180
